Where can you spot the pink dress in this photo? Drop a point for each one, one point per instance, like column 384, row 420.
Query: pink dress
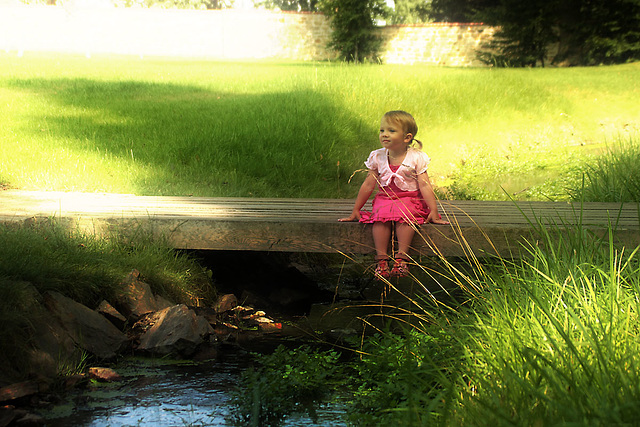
column 394, row 204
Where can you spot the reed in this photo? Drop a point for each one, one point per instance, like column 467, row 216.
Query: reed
column 549, row 339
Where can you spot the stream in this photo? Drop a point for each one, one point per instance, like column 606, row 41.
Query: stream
column 163, row 392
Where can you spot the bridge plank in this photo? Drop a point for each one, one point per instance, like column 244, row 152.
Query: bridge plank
column 311, row 225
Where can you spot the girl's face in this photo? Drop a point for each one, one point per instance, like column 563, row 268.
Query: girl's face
column 393, row 137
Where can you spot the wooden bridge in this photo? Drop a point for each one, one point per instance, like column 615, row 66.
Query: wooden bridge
column 311, row 225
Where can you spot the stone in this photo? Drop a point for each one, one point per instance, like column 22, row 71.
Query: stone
column 163, row 303
column 89, row 329
column 176, row 330
column 29, row 420
column 18, row 390
column 137, row 298
column 7, row 415
column 104, row 374
column 225, row 303
column 270, row 327
column 74, row 381
column 113, row 315
column 208, row 313
column 52, row 347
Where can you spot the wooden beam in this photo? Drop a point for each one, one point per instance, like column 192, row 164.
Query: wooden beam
column 311, row 225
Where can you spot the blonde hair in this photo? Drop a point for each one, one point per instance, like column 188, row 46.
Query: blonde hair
column 405, row 121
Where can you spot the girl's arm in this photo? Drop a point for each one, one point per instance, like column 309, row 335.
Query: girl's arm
column 366, row 189
column 430, row 198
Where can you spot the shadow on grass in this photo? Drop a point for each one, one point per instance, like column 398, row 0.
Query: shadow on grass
column 181, row 139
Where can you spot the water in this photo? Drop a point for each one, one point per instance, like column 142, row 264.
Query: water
column 168, row 393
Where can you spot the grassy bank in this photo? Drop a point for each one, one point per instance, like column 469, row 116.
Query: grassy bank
column 49, row 257
column 174, row 127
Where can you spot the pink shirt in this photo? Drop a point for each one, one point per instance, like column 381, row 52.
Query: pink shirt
column 415, row 163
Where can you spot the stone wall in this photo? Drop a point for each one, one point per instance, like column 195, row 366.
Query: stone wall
column 436, row 44
column 223, row 34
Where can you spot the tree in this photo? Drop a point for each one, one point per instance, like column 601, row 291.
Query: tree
column 587, row 32
column 178, row 4
column 288, row 5
column 410, row 12
column 526, row 31
column 600, row 31
column 354, row 29
column 460, row 10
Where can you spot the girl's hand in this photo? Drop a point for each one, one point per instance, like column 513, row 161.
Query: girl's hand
column 355, row 216
column 435, row 218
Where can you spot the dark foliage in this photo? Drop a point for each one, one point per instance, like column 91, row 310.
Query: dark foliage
column 569, row 32
column 354, row 29
column 410, row 12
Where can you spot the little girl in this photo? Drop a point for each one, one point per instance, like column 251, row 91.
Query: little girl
column 405, row 196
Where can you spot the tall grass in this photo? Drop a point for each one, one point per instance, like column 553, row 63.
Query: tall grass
column 554, row 344
column 551, row 339
column 175, row 127
column 613, row 176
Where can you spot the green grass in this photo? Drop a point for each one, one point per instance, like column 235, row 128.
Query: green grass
column 551, row 339
column 613, row 176
column 273, row 129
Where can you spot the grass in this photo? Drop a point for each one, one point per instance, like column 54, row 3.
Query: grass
column 552, row 339
column 613, row 176
column 273, row 129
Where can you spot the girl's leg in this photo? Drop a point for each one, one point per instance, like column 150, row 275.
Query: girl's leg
column 381, row 238
column 404, row 234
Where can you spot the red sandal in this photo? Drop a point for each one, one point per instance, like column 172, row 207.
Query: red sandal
column 382, row 268
column 400, row 268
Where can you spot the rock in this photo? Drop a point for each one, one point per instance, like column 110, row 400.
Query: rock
column 163, row 303
column 18, row 390
column 52, row 346
column 137, row 299
column 88, row 329
column 113, row 315
column 270, row 327
column 29, row 420
column 204, row 353
column 7, row 415
column 176, row 330
column 225, row 303
column 104, row 374
column 208, row 313
column 73, row 381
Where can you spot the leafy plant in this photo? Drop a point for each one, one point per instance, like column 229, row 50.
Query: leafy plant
column 399, row 377
column 284, row 382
